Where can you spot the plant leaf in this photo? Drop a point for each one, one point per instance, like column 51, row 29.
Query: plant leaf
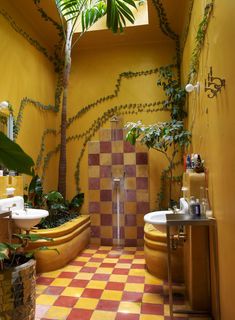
column 13, row 157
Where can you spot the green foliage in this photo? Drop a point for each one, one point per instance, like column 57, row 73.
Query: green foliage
column 116, row 11
column 59, row 209
column 35, row 193
column 199, row 41
column 12, row 254
column 13, row 157
column 77, row 202
column 175, row 94
column 159, row 136
column 168, row 138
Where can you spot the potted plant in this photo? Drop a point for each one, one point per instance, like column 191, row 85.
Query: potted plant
column 17, row 278
column 169, row 138
column 17, row 268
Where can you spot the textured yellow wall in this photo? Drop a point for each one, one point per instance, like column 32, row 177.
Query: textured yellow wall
column 212, row 123
column 25, row 72
column 94, row 75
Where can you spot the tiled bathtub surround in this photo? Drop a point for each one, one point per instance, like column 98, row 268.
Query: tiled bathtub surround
column 103, row 284
column 112, row 157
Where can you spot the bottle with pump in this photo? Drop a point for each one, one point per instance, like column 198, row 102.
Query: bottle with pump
column 203, row 201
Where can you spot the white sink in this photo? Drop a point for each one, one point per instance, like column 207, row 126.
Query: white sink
column 158, row 218
column 23, row 218
column 28, row 218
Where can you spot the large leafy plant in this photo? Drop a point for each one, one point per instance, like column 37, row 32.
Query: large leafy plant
column 13, row 157
column 60, row 210
column 169, row 138
column 175, row 94
column 12, row 254
column 87, row 12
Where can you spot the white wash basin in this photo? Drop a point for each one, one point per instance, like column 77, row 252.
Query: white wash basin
column 28, row 218
column 158, row 218
column 23, row 218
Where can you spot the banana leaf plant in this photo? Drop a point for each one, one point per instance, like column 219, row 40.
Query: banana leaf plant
column 13, row 157
column 87, row 12
column 169, row 138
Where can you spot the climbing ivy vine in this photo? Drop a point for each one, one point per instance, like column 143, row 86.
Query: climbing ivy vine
column 199, row 42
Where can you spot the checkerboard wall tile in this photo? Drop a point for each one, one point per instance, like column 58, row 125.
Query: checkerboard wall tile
column 104, row 283
column 113, row 157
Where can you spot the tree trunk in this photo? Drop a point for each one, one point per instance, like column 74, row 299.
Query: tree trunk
column 66, row 74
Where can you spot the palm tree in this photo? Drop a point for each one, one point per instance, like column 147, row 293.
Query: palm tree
column 88, row 12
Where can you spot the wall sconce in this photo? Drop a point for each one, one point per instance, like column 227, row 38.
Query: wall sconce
column 214, row 84
column 4, row 105
column 190, row 87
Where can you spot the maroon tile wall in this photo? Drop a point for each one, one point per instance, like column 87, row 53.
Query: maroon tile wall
column 109, row 158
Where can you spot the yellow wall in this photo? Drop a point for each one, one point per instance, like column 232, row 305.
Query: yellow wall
column 94, row 75
column 25, row 72
column 212, row 122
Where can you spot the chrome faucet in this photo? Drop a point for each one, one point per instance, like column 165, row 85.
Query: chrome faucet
column 12, row 206
column 175, row 209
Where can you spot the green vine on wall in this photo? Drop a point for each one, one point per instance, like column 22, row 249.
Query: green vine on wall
column 57, row 59
column 121, row 76
column 25, row 101
column 133, row 108
column 199, row 41
column 32, row 41
column 185, row 32
column 166, row 29
column 43, row 147
column 45, row 16
column 164, row 178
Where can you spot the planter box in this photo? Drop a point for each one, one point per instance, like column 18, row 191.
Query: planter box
column 69, row 239
column 17, row 292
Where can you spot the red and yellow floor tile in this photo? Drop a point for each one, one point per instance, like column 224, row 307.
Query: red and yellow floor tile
column 103, row 284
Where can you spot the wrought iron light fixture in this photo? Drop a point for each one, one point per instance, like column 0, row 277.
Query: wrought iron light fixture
column 213, row 84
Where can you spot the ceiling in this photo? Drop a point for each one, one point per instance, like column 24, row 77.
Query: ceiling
column 139, row 34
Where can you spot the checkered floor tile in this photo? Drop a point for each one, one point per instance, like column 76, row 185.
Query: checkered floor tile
column 103, row 283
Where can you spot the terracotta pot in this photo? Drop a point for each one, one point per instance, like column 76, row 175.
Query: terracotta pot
column 17, row 292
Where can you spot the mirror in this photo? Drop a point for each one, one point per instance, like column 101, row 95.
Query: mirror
column 6, row 120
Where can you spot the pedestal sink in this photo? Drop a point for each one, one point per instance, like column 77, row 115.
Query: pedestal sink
column 158, row 218
column 28, row 218
column 24, row 218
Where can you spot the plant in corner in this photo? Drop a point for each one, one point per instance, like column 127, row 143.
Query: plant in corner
column 60, row 210
column 17, row 269
column 169, row 138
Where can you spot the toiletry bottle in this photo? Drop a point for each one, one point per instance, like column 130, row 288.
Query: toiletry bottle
column 197, row 208
column 203, row 201
column 192, row 203
column 188, row 163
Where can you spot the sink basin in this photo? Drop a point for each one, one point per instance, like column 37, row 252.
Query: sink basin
column 158, row 218
column 26, row 219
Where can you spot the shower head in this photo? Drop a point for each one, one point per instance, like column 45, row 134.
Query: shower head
column 114, row 119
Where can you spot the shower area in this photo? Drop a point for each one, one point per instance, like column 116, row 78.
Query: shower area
column 118, row 188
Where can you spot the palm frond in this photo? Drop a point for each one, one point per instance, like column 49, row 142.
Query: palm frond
column 118, row 12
